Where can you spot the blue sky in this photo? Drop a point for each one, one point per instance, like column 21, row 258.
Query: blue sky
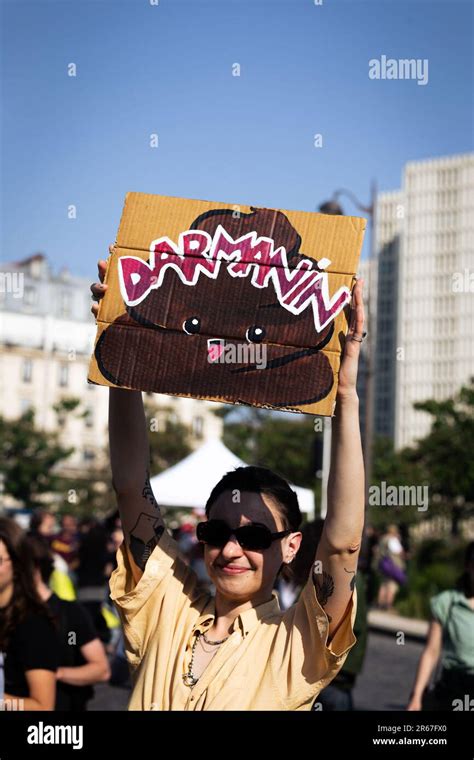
column 167, row 69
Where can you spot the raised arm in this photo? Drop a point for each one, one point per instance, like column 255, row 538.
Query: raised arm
column 142, row 522
column 338, row 550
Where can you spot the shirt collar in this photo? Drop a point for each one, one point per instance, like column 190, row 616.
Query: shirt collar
column 460, row 598
column 245, row 621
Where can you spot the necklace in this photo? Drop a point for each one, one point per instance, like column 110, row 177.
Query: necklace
column 189, row 678
column 213, row 643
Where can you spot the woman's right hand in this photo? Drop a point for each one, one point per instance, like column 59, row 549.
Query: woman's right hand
column 98, row 288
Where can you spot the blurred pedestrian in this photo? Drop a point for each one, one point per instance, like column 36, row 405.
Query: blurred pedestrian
column 28, row 638
column 450, row 644
column 92, row 578
column 43, row 528
column 66, row 542
column 391, row 567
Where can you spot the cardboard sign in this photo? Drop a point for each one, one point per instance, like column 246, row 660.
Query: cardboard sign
column 227, row 303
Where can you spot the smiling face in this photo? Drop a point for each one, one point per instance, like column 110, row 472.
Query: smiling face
column 241, row 575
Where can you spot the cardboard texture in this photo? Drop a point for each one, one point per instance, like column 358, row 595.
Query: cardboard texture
column 227, row 303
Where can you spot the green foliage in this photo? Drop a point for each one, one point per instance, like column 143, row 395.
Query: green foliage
column 28, row 457
column 447, row 452
column 285, row 445
column 169, row 440
column 443, row 460
column 435, row 566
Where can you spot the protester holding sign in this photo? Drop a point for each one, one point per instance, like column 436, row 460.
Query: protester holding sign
column 237, row 651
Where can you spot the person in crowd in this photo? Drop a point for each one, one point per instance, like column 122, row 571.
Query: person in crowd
column 66, row 542
column 391, row 567
column 92, row 574
column 28, row 636
column 43, row 528
column 450, row 644
column 82, row 658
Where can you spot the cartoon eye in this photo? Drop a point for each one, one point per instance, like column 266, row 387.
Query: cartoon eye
column 192, row 325
column 255, row 334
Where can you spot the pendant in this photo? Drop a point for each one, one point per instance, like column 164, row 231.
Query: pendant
column 189, row 680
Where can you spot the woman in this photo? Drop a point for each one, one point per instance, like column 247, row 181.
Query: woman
column 237, row 651
column 28, row 639
column 451, row 639
column 391, row 567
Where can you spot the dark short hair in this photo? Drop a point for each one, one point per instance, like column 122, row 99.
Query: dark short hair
column 263, row 481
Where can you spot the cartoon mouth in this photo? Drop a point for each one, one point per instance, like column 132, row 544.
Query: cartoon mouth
column 154, row 360
column 215, row 349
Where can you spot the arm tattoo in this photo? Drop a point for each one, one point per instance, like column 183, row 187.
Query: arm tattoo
column 353, row 579
column 324, row 588
column 147, row 530
column 147, row 492
column 144, row 536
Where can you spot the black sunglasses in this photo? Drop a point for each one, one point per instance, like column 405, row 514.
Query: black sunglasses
column 254, row 537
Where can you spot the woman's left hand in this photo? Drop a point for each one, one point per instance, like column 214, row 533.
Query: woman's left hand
column 350, row 356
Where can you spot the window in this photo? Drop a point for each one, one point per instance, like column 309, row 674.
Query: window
column 30, row 296
column 88, row 455
column 25, row 404
column 27, row 371
column 63, row 375
column 89, row 417
column 198, row 427
column 64, row 306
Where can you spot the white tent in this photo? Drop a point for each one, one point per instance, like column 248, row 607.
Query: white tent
column 189, row 483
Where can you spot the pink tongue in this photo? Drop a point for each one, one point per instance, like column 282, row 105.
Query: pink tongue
column 214, row 351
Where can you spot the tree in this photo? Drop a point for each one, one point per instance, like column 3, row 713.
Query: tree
column 395, row 468
column 443, row 460
column 447, row 452
column 288, row 446
column 29, row 456
column 168, row 437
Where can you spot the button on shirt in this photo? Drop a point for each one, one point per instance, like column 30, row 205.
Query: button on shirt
column 272, row 660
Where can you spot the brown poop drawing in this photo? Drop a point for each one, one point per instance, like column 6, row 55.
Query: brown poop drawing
column 170, row 354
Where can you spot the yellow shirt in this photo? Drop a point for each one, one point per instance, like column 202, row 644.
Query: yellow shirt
column 272, row 660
